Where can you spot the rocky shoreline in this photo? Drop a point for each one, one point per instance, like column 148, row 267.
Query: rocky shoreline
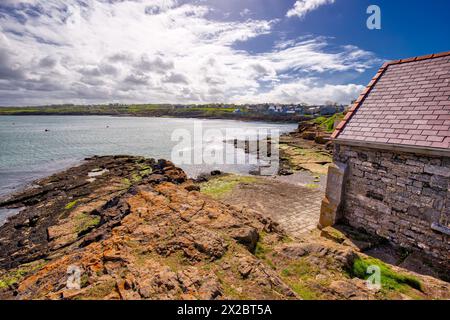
column 110, row 213
column 308, row 148
column 99, row 180
column 138, row 228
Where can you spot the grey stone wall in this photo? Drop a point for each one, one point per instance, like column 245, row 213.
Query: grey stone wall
column 398, row 196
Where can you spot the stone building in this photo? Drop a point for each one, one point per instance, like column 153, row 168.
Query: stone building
column 391, row 168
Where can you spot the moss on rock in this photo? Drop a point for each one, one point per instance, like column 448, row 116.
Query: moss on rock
column 390, row 279
column 223, row 185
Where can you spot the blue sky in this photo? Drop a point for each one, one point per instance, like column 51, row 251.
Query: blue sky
column 236, row 51
column 409, row 27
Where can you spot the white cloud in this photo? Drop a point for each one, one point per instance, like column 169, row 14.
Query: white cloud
column 302, row 7
column 245, row 12
column 140, row 51
column 308, row 90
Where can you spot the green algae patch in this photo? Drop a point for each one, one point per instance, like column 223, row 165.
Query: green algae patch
column 13, row 277
column 221, row 186
column 85, row 222
column 390, row 279
column 70, row 205
column 300, row 275
column 125, row 183
column 135, row 177
column 144, row 170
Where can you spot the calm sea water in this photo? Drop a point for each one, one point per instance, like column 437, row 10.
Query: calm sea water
column 28, row 151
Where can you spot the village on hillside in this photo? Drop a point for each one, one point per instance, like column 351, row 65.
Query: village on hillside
column 302, row 109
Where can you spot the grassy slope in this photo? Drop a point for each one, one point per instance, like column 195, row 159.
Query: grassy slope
column 327, row 123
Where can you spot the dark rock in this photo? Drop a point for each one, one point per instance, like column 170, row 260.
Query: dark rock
column 157, row 178
column 308, row 135
column 210, row 289
column 192, row 187
column 321, row 139
column 203, row 177
column 247, row 236
column 285, row 172
column 245, row 267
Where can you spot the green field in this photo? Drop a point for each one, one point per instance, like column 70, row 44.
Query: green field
column 152, row 110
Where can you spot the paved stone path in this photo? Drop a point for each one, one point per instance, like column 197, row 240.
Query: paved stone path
column 296, row 208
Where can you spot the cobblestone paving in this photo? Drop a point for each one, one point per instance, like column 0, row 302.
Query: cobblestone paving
column 296, row 208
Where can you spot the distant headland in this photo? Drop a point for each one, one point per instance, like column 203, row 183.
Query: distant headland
column 253, row 112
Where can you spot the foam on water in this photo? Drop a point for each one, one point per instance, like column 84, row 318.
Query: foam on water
column 6, row 213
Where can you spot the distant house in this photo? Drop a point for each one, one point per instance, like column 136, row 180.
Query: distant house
column 391, row 172
column 312, row 110
column 275, row 109
column 340, row 108
column 271, row 109
column 327, row 110
column 299, row 110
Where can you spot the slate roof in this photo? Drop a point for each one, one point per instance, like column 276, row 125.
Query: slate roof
column 406, row 103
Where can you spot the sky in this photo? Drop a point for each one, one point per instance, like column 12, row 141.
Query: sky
column 200, row 51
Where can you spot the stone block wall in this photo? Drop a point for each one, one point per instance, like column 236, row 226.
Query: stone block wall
column 398, row 196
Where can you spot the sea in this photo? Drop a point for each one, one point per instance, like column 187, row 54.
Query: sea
column 33, row 147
